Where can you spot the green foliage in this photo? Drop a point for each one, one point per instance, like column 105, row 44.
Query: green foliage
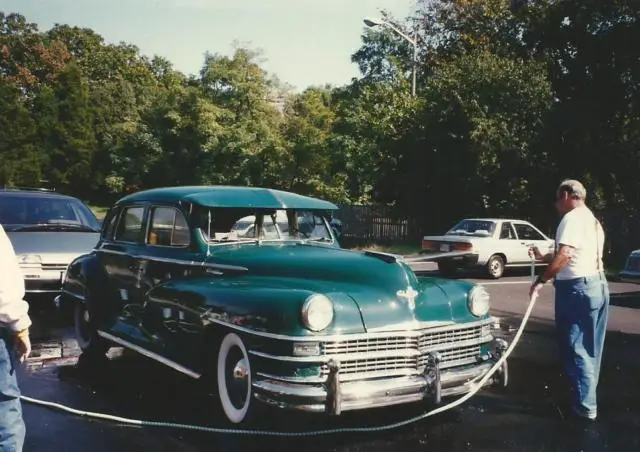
column 509, row 101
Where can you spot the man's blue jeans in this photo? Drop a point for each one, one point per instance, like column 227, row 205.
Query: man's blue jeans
column 12, row 428
column 582, row 308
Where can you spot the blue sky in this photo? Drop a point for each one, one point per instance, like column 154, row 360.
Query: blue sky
column 305, row 42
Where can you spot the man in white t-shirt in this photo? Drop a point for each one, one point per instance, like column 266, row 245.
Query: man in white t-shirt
column 582, row 294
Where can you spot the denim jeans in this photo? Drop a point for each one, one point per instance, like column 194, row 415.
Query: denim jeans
column 581, row 311
column 12, row 428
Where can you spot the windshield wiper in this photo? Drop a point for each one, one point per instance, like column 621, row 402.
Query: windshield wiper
column 55, row 227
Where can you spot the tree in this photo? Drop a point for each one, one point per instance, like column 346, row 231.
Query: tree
column 65, row 128
column 20, row 160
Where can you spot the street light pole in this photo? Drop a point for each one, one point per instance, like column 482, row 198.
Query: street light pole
column 415, row 61
column 372, row 22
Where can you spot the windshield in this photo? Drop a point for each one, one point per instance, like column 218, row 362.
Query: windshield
column 236, row 225
column 473, row 227
column 30, row 210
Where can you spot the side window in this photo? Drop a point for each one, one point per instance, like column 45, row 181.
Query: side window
column 506, row 232
column 526, row 232
column 168, row 228
column 130, row 225
column 109, row 225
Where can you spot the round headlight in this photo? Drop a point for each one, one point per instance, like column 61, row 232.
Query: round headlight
column 317, row 312
column 478, row 301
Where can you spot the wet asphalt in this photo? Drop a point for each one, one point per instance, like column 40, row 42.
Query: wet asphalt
column 529, row 415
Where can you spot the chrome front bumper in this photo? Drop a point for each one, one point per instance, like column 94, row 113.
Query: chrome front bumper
column 334, row 396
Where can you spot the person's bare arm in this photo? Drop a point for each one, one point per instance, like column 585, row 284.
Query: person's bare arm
column 14, row 311
column 558, row 262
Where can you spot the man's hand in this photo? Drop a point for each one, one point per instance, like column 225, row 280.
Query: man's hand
column 534, row 252
column 534, row 290
column 23, row 345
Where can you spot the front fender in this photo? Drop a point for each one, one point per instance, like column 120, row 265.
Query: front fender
column 458, row 294
column 258, row 303
column 86, row 282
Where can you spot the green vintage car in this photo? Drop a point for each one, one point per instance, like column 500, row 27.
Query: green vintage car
column 274, row 311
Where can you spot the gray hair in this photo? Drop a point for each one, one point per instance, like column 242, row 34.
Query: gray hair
column 574, row 188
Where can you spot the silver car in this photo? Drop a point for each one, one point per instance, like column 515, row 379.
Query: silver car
column 47, row 230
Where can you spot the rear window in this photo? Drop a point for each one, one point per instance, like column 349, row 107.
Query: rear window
column 32, row 210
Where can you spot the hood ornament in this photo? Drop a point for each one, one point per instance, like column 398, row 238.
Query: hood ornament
column 410, row 295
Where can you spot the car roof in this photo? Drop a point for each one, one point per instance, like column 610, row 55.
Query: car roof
column 7, row 192
column 229, row 196
column 498, row 219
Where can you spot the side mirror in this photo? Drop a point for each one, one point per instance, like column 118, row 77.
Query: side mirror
column 336, row 232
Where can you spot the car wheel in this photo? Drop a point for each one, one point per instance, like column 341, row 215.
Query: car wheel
column 86, row 332
column 495, row 267
column 234, row 379
column 447, row 268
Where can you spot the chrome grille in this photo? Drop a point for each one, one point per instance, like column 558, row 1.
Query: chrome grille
column 369, row 345
column 445, row 337
column 404, row 355
column 57, row 267
column 376, row 365
column 455, row 356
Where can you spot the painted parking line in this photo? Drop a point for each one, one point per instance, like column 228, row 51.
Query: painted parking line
column 501, row 282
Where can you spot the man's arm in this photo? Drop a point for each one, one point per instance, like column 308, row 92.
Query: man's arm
column 14, row 311
column 558, row 262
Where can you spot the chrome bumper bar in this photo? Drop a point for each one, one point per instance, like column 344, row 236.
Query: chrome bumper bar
column 335, row 396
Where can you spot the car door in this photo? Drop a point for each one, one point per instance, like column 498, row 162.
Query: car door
column 529, row 235
column 117, row 255
column 509, row 244
column 171, row 325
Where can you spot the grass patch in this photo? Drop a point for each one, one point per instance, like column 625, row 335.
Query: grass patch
column 405, row 249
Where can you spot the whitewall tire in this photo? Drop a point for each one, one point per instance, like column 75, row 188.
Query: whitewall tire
column 234, row 379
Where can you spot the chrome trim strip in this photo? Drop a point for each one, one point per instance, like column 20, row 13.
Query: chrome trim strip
column 301, row 380
column 149, row 354
column 168, row 260
column 412, row 325
column 402, row 353
column 395, row 353
column 352, row 336
column 75, row 295
column 108, row 251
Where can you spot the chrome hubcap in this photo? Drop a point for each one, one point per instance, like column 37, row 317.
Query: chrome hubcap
column 237, row 378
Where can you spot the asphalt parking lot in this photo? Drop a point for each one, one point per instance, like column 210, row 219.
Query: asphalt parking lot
column 527, row 416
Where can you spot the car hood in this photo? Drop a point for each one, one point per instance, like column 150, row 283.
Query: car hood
column 376, row 286
column 56, row 247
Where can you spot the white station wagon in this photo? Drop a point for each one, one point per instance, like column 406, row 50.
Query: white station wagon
column 491, row 243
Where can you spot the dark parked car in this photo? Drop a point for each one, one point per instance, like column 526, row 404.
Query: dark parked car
column 47, row 230
column 274, row 312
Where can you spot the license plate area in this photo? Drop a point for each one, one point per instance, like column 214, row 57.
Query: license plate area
column 445, row 248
